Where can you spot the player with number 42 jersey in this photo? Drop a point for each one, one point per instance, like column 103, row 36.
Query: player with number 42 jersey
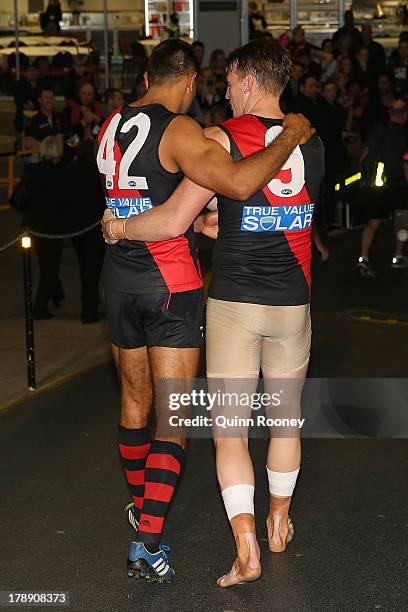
column 135, row 181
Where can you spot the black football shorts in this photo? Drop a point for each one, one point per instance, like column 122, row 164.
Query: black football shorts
column 162, row 319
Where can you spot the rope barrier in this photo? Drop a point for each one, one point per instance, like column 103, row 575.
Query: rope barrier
column 7, row 245
column 31, row 232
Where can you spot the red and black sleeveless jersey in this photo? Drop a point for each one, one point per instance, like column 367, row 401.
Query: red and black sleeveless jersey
column 135, row 181
column 262, row 254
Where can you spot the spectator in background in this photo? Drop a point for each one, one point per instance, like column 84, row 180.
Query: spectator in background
column 207, row 94
column 42, row 64
column 376, row 63
column 87, row 204
column 403, row 37
column 341, row 81
column 139, row 89
column 28, row 90
column 344, row 46
column 50, row 19
column 357, row 99
column 79, row 74
column 218, row 64
column 361, row 69
column 292, row 88
column 174, row 27
column 345, row 65
column 305, row 101
column 84, row 115
column 199, row 51
column 332, row 131
column 327, row 46
column 43, row 203
column 350, row 30
column 398, row 66
column 298, row 42
column 328, row 63
column 379, row 103
column 113, row 100
column 46, row 122
column 387, row 142
column 256, row 21
column 311, row 67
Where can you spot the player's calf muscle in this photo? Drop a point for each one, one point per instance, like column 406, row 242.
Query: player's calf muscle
column 136, row 388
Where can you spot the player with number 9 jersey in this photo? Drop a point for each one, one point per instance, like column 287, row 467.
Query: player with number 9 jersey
column 262, row 255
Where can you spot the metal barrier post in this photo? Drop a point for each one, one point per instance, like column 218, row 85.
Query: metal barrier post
column 28, row 290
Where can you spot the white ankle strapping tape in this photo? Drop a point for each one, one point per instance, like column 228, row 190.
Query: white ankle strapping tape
column 238, row 499
column 282, row 483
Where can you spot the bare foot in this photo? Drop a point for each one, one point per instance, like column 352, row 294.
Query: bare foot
column 280, row 532
column 247, row 565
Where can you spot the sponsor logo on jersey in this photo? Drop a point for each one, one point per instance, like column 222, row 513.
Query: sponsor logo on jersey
column 128, row 207
column 277, row 218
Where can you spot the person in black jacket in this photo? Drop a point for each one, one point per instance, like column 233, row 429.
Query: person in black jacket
column 331, row 130
column 305, row 102
column 63, row 198
column 44, row 191
column 87, row 205
column 376, row 63
column 47, row 122
column 51, row 17
column 27, row 92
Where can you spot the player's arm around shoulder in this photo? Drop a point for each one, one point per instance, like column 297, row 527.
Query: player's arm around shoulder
column 206, row 162
column 203, row 156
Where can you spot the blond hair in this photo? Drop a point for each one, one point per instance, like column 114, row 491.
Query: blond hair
column 51, row 149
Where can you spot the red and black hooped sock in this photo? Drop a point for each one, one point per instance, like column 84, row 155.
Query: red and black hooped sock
column 163, row 468
column 134, row 446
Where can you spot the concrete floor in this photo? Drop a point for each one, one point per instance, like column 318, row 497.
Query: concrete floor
column 63, row 529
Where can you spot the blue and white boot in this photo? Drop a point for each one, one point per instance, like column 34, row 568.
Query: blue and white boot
column 152, row 567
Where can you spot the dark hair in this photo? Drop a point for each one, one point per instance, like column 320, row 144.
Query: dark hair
column 214, row 56
column 264, row 59
column 171, row 59
column 303, row 79
column 328, row 82
column 198, row 43
column 109, row 93
column 386, row 73
column 46, row 88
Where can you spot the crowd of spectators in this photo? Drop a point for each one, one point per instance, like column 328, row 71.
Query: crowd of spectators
column 61, row 189
column 345, row 88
